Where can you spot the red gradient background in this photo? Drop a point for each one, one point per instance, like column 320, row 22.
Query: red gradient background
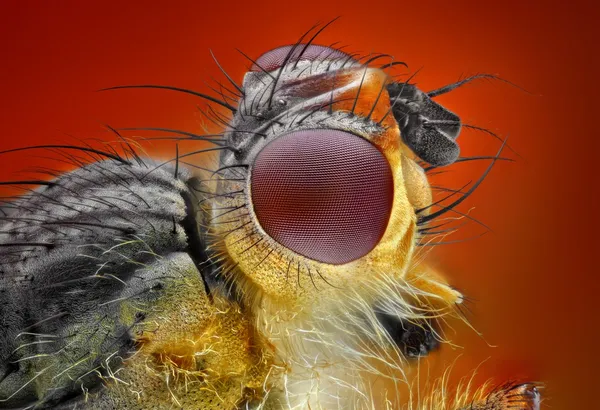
column 533, row 279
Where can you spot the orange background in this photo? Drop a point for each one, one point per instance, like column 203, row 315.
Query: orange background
column 532, row 278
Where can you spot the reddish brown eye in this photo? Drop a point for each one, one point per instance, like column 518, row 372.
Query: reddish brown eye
column 325, row 194
column 274, row 59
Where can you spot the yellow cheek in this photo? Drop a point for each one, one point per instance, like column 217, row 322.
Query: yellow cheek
column 417, row 187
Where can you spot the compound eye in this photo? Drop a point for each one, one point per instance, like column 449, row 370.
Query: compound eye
column 274, row 59
column 324, row 194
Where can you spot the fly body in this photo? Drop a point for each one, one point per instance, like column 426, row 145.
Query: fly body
column 280, row 271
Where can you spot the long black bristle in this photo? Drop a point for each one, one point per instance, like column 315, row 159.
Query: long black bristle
column 237, row 87
column 31, row 182
column 309, row 42
column 447, row 88
column 181, row 90
column 445, row 209
column 72, row 147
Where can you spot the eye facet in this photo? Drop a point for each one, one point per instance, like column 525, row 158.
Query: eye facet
column 325, row 194
column 274, row 59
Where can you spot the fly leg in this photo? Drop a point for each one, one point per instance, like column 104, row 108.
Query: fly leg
column 524, row 396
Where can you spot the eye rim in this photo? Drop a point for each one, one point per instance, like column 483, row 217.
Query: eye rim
column 335, row 54
column 389, row 211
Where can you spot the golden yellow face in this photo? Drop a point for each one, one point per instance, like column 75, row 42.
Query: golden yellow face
column 313, row 219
